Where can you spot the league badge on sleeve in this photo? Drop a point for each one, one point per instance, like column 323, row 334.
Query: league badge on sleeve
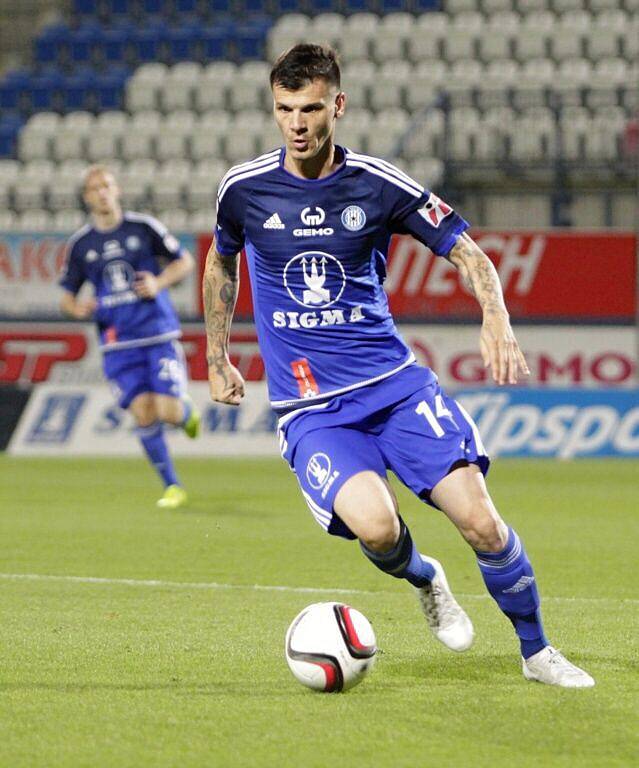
column 434, row 211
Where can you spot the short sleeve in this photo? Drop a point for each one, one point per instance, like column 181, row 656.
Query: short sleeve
column 427, row 218
column 229, row 227
column 165, row 245
column 73, row 273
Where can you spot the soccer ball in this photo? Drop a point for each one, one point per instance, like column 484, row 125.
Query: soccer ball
column 330, row 647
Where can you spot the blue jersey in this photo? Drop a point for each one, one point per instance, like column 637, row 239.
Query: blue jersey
column 109, row 260
column 317, row 253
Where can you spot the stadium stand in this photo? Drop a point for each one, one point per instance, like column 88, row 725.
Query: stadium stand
column 176, row 91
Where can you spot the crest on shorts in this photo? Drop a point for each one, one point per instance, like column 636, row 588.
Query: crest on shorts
column 318, row 469
column 434, row 211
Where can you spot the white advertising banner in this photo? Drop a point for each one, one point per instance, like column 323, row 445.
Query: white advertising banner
column 558, row 356
column 70, row 420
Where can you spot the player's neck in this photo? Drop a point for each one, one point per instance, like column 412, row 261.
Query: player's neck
column 107, row 221
column 323, row 164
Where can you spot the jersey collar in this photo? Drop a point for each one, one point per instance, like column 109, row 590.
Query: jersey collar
column 324, row 179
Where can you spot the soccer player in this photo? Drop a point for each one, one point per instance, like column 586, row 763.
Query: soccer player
column 131, row 260
column 315, row 220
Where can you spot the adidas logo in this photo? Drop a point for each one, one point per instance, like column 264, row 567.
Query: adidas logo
column 520, row 585
column 274, row 222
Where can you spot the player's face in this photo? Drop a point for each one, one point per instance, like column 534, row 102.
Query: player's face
column 101, row 193
column 307, row 117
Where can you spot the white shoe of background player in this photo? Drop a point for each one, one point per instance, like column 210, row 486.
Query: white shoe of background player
column 551, row 667
column 445, row 617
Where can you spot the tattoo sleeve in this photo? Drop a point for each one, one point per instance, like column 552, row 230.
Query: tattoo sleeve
column 478, row 273
column 219, row 290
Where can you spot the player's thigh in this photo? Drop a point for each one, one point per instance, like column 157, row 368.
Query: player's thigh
column 169, row 409
column 428, row 436
column 166, row 369
column 463, row 497
column 339, row 462
column 126, row 372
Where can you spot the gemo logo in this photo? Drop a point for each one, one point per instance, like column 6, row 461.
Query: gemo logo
column 314, row 219
column 314, row 279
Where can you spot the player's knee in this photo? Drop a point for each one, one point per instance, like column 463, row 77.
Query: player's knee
column 485, row 532
column 381, row 532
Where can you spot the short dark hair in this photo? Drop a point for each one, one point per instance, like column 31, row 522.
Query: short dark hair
column 303, row 63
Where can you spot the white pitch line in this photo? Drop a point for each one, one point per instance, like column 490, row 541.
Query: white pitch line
column 212, row 585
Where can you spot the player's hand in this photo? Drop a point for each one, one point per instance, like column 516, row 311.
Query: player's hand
column 83, row 309
column 146, row 285
column 226, row 384
column 500, row 350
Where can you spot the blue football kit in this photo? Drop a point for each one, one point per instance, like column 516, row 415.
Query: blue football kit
column 137, row 336
column 348, row 390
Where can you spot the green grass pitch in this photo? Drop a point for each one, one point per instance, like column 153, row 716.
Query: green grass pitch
column 173, row 655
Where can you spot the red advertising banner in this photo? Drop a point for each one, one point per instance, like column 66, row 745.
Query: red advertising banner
column 554, row 274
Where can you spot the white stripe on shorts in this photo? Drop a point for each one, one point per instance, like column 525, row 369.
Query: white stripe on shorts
column 321, row 515
column 478, row 441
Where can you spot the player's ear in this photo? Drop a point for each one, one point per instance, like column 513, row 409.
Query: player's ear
column 340, row 104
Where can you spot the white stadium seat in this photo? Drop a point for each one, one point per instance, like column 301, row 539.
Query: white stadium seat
column 496, row 6
column 532, row 39
column 462, row 38
column 532, row 6
column 427, row 141
column 143, row 89
column 270, row 137
column 424, row 85
column 358, row 78
column 357, row 35
column 174, row 219
column 385, row 132
column 64, row 190
column 213, row 86
column 561, row 6
column 36, row 220
column 387, row 90
column 34, row 145
column 534, row 81
column 250, row 88
column 496, row 83
column 9, row 221
column 179, row 86
column 391, row 40
column 571, row 78
column 170, row 183
column 428, row 171
column 533, row 136
column 68, row 220
column 202, row 187
column 102, row 144
column 575, row 124
column 201, row 221
column 453, row 7
column 427, row 36
column 327, row 28
column 497, row 39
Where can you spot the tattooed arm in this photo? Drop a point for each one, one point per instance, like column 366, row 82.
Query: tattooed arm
column 499, row 347
column 219, row 288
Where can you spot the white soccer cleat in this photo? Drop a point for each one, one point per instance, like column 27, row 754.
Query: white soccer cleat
column 445, row 617
column 553, row 668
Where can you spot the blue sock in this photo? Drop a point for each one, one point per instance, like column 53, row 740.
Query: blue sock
column 511, row 581
column 187, row 405
column 154, row 444
column 403, row 561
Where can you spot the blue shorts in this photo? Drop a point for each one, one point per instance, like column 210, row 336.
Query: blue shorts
column 157, row 368
column 421, row 438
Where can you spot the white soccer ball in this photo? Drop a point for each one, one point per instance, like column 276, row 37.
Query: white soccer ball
column 330, row 647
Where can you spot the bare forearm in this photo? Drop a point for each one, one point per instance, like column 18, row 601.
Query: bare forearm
column 220, row 287
column 175, row 271
column 67, row 304
column 478, row 273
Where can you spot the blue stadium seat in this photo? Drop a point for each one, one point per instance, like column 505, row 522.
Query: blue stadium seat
column 153, row 8
column 148, row 41
column 88, row 8
column 184, row 42
column 86, row 43
column 424, row 6
column 220, row 7
column 10, row 90
column 77, row 90
column 121, row 10
column 186, row 7
column 109, row 90
column 324, row 6
column 359, row 6
column 45, row 91
column 115, row 41
column 246, row 8
column 288, row 6
column 216, row 41
column 249, row 41
column 9, row 129
column 50, row 46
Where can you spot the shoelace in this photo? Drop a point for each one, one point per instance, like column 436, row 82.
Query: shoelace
column 438, row 608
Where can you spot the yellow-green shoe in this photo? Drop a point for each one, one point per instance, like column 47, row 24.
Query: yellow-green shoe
column 174, row 496
column 191, row 426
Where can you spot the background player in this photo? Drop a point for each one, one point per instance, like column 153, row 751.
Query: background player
column 120, row 254
column 315, row 220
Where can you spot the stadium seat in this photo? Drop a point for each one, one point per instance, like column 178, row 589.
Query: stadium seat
column 64, row 187
column 497, row 40
column 35, row 220
column 391, row 39
column 250, row 40
column 497, row 83
column 574, row 125
column 250, row 87
column 353, row 129
column 280, row 40
column 169, row 184
column 216, row 42
column 533, row 136
column 532, row 40
column 9, row 221
column 135, row 180
column 77, row 90
column 606, row 33
column 496, row 6
column 358, row 32
column 327, row 28
column 462, row 38
column 143, row 89
column 561, row 6
column 46, row 92
column 427, row 36
column 464, row 128
column 428, row 140
column 389, row 87
column 631, row 40
column 179, row 86
column 465, row 76
column 453, row 7
column 35, row 138
column 603, row 142
column 608, row 77
column 30, row 192
column 202, row 188
column 427, row 171
column 270, row 137
column 532, row 6
column 570, row 81
column 176, row 220
column 213, row 86
column 424, row 85
column 241, row 141
column 357, row 80
column 202, row 221
column 385, row 133
column 567, row 41
column 533, row 84
column 208, row 134
column 68, row 220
